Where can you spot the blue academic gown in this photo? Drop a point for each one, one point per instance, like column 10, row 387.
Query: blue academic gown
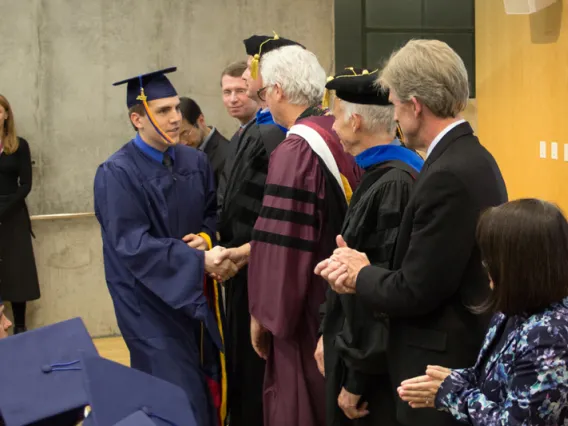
column 155, row 280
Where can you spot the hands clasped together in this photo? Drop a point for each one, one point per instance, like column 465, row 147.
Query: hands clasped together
column 220, row 263
column 342, row 268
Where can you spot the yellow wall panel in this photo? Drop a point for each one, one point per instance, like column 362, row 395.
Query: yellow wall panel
column 522, row 95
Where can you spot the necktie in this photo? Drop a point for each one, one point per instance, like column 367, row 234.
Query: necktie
column 167, row 161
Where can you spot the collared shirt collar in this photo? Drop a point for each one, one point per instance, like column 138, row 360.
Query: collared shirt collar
column 207, row 139
column 152, row 152
column 443, row 133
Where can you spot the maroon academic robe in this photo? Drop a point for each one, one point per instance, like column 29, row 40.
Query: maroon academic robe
column 303, row 208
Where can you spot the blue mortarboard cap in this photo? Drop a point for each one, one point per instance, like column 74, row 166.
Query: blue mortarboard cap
column 117, row 392
column 41, row 374
column 137, row 419
column 156, row 86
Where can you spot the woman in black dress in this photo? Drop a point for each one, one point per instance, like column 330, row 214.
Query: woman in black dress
column 18, row 275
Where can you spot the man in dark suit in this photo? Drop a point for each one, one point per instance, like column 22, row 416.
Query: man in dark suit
column 195, row 132
column 437, row 273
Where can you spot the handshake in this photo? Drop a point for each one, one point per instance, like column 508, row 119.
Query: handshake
column 220, row 263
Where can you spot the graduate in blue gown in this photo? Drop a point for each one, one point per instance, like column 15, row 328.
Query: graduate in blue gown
column 156, row 204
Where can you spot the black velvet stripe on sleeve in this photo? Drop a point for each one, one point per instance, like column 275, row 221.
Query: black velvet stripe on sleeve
column 254, row 189
column 297, row 218
column 291, row 193
column 284, row 241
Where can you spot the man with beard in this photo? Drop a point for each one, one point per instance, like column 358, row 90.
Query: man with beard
column 305, row 199
column 244, row 179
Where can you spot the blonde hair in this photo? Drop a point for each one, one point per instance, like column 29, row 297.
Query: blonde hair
column 9, row 139
column 430, row 71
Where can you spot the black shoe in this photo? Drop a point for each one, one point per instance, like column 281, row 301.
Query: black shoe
column 18, row 330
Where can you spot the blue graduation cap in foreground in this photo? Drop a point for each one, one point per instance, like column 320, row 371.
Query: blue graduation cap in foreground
column 155, row 84
column 124, row 396
column 41, row 373
column 137, row 419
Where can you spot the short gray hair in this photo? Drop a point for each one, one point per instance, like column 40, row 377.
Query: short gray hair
column 297, row 71
column 430, row 71
column 376, row 118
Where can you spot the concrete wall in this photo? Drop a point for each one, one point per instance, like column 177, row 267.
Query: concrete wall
column 60, row 58
column 70, row 267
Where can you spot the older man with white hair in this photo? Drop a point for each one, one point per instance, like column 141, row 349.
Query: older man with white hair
column 241, row 188
column 353, row 345
column 437, row 274
column 308, row 186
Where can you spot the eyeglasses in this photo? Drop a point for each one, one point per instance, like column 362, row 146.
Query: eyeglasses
column 262, row 92
column 186, row 133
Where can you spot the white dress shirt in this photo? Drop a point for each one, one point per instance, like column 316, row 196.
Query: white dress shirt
column 441, row 135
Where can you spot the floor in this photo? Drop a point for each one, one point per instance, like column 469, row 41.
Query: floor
column 114, row 349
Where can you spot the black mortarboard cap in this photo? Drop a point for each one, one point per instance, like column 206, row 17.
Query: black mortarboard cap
column 357, row 86
column 156, row 86
column 261, row 44
column 41, row 374
column 119, row 395
column 258, row 45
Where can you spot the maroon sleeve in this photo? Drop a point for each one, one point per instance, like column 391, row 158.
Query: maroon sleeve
column 285, row 237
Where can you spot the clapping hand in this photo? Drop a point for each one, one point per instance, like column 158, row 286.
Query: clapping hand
column 342, row 268
column 420, row 392
column 219, row 269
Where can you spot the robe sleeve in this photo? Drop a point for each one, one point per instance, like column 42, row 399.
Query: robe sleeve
column 536, row 388
column 166, row 266
column 366, row 356
column 283, row 248
column 443, row 237
column 210, row 214
column 25, row 178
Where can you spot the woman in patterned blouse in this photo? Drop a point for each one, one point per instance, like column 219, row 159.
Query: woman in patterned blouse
column 521, row 374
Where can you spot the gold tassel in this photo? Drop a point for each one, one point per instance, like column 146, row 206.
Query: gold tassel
column 326, row 95
column 255, row 63
column 399, row 133
column 254, row 66
column 325, row 100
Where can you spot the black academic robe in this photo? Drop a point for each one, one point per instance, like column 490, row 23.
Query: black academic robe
column 437, row 272
column 226, row 172
column 355, row 339
column 242, row 202
column 217, row 150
